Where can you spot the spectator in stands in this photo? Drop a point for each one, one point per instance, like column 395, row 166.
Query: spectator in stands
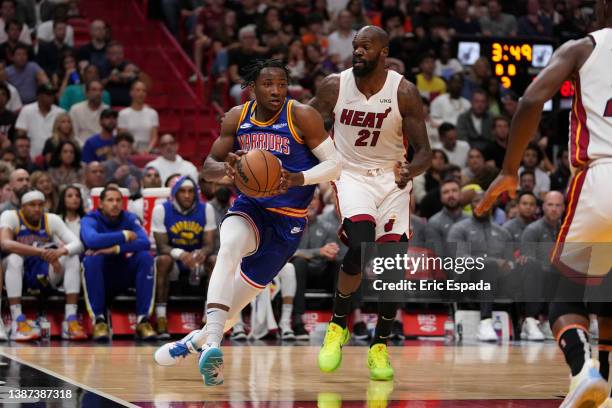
column 140, row 120
column 432, row 202
column 447, row 107
column 50, row 53
column 422, row 18
column 7, row 118
column 14, row 103
column 475, row 164
column 462, row 23
column 527, row 181
column 317, row 262
column 8, row 48
column 498, row 24
column 170, row 162
column 7, row 156
column 65, row 167
column 474, row 126
column 430, row 180
column 94, row 52
column 496, row 151
column 67, row 73
column 150, row 179
column 99, row 147
column 537, row 243
column 248, row 13
column 5, row 190
column 358, row 12
column 447, row 66
column 23, row 158
column 209, row 20
column 8, row 9
column 439, row 224
column 95, row 176
column 119, row 168
column 477, row 77
column 510, row 103
column 25, row 75
column 432, row 130
column 71, row 208
column 36, row 119
column 62, row 131
column 534, row 24
column 477, row 236
column 110, row 235
column 341, row 41
column 494, row 91
column 46, row 30
column 531, row 161
column 6, row 169
column 54, row 258
column 429, row 85
column 527, row 207
column 19, row 182
column 42, row 182
column 560, row 177
column 86, row 115
column 455, row 150
column 184, row 230
column 240, row 57
column 118, row 75
column 75, row 93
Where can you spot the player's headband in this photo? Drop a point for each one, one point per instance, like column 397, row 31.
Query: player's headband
column 32, row 196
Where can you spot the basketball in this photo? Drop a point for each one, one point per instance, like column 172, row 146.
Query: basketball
column 258, row 173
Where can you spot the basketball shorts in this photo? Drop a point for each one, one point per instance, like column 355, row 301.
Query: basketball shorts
column 277, row 237
column 584, row 243
column 36, row 275
column 374, row 196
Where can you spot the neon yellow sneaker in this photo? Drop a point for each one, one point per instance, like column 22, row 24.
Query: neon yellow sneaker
column 378, row 363
column 330, row 355
column 378, row 393
column 329, row 400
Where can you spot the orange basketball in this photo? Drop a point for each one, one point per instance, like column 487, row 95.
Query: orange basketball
column 258, row 173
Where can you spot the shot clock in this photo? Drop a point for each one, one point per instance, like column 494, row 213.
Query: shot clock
column 514, row 61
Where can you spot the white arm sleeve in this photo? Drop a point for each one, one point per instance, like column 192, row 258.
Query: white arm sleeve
column 211, row 222
column 60, row 230
column 157, row 224
column 329, row 167
column 9, row 219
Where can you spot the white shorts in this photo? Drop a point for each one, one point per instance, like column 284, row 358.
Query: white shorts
column 375, row 198
column 585, row 239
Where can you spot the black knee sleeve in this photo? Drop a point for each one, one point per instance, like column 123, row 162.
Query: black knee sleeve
column 558, row 309
column 356, row 233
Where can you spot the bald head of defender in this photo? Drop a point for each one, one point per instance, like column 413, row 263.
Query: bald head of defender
column 370, row 49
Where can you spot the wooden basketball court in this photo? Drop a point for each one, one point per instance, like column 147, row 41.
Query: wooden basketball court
column 428, row 374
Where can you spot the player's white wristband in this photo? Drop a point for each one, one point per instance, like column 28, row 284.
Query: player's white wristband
column 329, row 167
column 176, row 253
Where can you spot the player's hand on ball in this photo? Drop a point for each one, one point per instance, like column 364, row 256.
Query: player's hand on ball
column 288, row 180
column 402, row 174
column 230, row 163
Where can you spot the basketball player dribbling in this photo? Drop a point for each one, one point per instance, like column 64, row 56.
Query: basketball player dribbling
column 258, row 235
column 372, row 109
column 588, row 219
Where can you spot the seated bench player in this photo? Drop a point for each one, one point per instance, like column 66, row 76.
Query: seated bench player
column 117, row 258
column 42, row 252
column 184, row 231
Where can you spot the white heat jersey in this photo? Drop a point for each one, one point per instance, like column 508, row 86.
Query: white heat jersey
column 368, row 132
column 590, row 135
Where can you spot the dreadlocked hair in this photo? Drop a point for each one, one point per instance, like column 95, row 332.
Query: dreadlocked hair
column 251, row 72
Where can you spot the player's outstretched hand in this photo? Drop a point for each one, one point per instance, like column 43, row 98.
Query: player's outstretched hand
column 503, row 183
column 402, row 174
column 230, row 162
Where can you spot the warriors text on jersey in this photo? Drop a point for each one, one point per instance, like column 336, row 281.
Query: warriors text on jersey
column 279, row 137
column 590, row 135
column 368, row 132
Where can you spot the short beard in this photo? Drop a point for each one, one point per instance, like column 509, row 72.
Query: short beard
column 368, row 68
column 454, row 207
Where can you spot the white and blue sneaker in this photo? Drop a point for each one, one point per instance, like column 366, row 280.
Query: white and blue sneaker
column 170, row 353
column 211, row 364
column 588, row 388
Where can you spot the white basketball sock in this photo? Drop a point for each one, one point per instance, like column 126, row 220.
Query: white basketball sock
column 70, row 309
column 160, row 310
column 15, row 311
column 285, row 321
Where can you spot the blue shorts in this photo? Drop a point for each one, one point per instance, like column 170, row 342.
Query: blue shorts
column 278, row 237
column 36, row 274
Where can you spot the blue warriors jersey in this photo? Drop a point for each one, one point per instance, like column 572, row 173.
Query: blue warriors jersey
column 185, row 231
column 279, row 137
column 33, row 235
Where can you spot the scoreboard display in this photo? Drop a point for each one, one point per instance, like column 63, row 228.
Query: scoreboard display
column 514, row 61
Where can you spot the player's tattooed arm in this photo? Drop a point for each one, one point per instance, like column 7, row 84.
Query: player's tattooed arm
column 220, row 162
column 563, row 65
column 325, row 99
column 413, row 127
column 162, row 243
